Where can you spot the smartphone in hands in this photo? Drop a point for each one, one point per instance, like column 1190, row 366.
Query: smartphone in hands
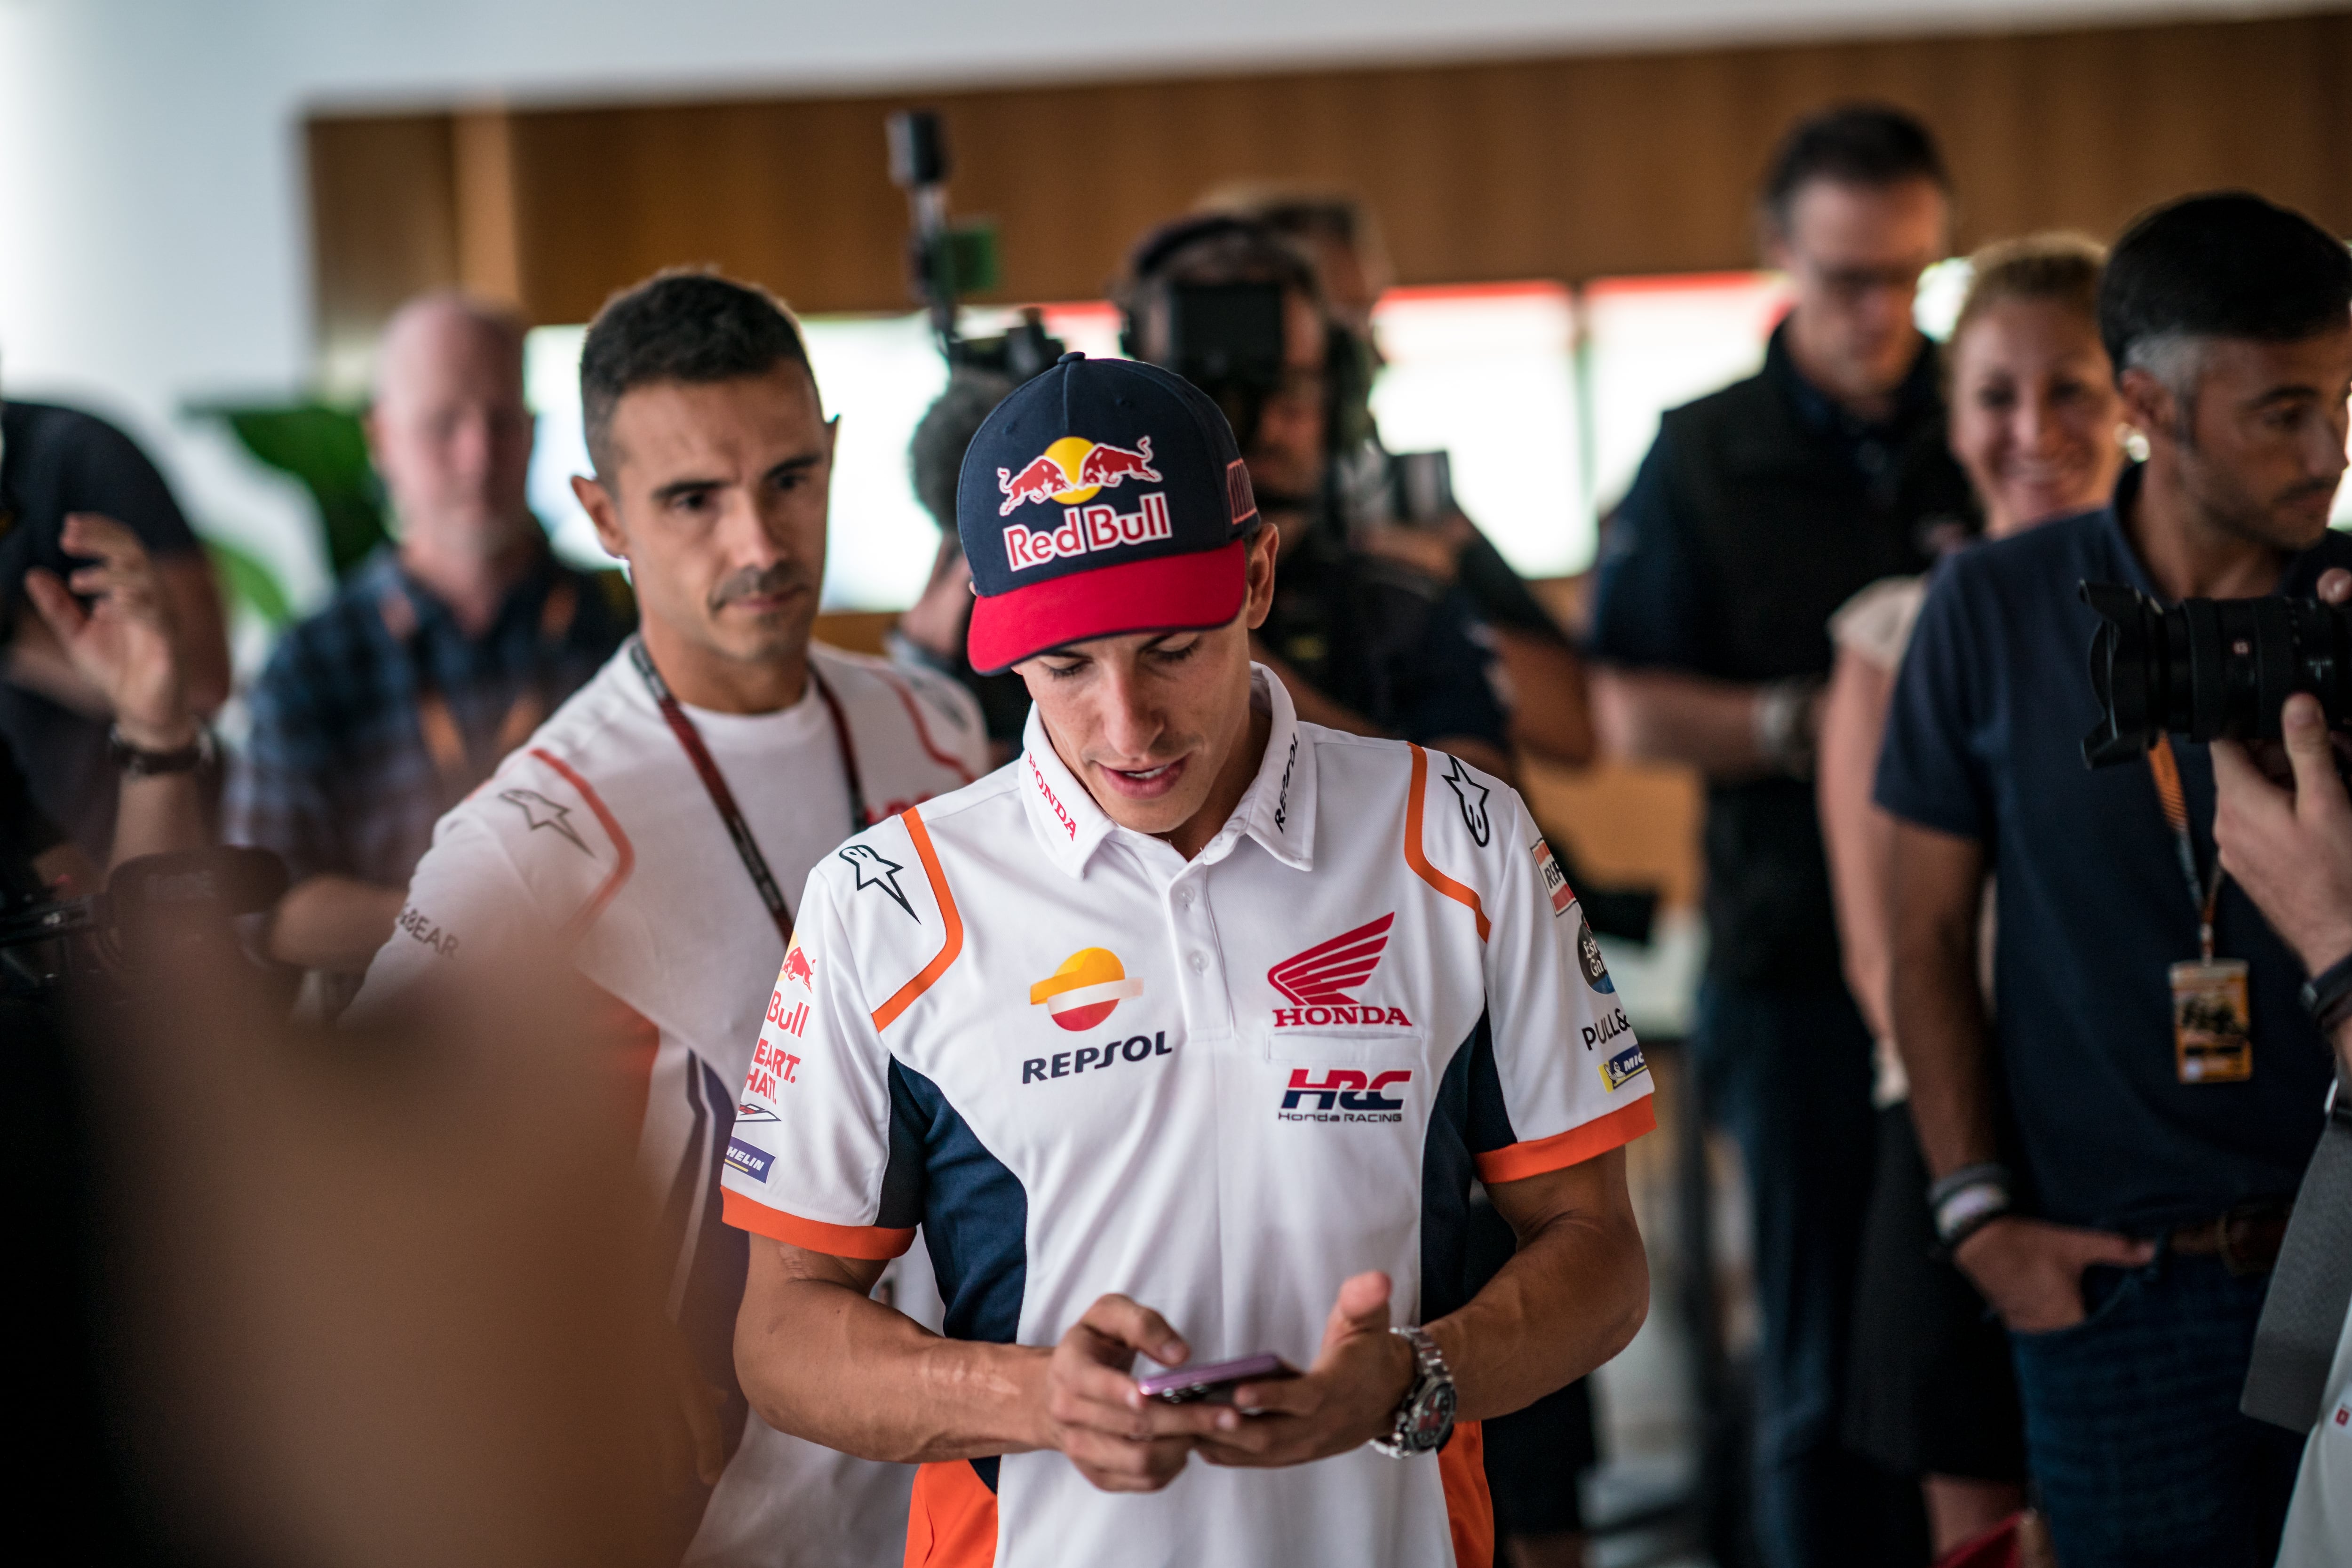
column 1213, row 1382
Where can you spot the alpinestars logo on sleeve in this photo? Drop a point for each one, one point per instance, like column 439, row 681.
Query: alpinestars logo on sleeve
column 1472, row 794
column 541, row 811
column 1322, row 978
column 874, row 871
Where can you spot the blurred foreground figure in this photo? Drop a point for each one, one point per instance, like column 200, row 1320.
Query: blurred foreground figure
column 1759, row 510
column 278, row 1322
column 434, row 659
column 649, row 830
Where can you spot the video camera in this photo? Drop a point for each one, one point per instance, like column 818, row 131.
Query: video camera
column 2208, row 668
column 945, row 259
column 148, row 904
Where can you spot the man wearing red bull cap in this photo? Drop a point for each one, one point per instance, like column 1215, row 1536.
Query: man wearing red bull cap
column 1183, row 1036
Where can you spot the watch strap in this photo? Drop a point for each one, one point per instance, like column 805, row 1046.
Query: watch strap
column 139, row 763
column 2327, row 996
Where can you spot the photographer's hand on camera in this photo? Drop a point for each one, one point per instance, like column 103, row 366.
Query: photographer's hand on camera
column 2291, row 848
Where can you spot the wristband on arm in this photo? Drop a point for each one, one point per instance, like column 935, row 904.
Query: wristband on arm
column 1966, row 1201
column 2327, row 996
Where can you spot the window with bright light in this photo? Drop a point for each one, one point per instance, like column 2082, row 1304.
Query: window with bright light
column 1545, row 398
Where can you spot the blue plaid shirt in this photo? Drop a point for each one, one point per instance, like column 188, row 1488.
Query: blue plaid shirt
column 336, row 775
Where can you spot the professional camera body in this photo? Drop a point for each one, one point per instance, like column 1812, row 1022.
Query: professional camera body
column 2208, row 668
column 148, row 904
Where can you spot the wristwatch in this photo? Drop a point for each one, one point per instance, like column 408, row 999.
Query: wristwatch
column 139, row 763
column 1425, row 1417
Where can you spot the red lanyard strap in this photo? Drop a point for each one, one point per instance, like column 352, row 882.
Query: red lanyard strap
column 714, row 782
column 2204, row 892
column 445, row 742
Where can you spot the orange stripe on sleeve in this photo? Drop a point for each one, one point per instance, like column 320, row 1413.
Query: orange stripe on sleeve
column 1461, row 895
column 874, row 1242
column 904, row 998
column 951, row 1518
column 1516, row 1161
column 954, row 764
column 1469, row 1506
column 626, row 862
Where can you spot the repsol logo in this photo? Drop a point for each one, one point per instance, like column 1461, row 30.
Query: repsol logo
column 1612, row 1024
column 1069, row 1064
column 1344, row 1095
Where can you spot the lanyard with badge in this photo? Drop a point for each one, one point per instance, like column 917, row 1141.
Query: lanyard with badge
column 714, row 782
column 2212, row 1030
column 445, row 742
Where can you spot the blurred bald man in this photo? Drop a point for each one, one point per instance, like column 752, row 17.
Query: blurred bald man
column 437, row 655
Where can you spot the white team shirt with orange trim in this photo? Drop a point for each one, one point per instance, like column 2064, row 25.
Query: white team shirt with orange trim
column 598, row 830
column 1084, row 1064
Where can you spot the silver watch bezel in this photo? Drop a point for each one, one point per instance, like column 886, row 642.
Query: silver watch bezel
column 1425, row 1416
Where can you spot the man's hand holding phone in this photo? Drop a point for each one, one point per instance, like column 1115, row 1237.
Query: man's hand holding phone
column 1349, row 1396
column 1095, row 1412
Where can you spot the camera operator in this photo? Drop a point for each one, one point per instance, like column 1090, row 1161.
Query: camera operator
column 1549, row 713
column 123, row 646
column 2126, row 1237
column 930, row 635
column 1363, row 643
column 2291, row 849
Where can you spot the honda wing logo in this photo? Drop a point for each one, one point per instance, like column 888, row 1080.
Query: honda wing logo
column 1322, row 981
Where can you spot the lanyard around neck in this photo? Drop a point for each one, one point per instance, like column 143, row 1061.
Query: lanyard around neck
column 444, row 741
column 714, row 782
column 2204, row 892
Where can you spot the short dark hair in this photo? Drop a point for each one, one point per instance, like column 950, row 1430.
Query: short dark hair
column 935, row 456
column 2225, row 264
column 1216, row 247
column 678, row 325
column 1854, row 143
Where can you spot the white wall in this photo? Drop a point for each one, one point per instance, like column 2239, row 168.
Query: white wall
column 153, row 241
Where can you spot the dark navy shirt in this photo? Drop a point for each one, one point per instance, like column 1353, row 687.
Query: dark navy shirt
column 1984, row 742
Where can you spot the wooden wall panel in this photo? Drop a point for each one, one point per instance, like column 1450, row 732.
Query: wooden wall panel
column 1570, row 168
column 383, row 221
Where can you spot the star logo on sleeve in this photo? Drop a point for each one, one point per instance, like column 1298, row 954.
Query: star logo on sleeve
column 541, row 811
column 1472, row 796
column 874, row 871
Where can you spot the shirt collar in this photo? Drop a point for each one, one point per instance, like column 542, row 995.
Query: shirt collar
column 1917, row 396
column 1278, row 809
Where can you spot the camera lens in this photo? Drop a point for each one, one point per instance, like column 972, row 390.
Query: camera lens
column 2207, row 668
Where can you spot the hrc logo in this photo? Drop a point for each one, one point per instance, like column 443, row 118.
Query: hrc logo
column 1347, row 1090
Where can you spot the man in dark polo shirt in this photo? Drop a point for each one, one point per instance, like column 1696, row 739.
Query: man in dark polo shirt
column 2117, row 1197
column 1758, row 512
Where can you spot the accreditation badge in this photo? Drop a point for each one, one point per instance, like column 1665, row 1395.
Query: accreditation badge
column 2212, row 1022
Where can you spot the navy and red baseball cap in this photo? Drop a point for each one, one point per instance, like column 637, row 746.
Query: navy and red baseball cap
column 1103, row 498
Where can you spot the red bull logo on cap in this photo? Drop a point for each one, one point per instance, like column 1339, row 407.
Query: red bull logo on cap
column 1085, row 528
column 1071, row 470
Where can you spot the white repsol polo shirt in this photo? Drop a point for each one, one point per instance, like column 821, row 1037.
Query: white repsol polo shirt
column 1082, row 1065
column 598, row 830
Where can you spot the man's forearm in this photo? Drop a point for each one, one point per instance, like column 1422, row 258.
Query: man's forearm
column 334, row 922
column 1939, row 1020
column 159, row 813
column 1666, row 716
column 1571, row 1297
column 823, row 1360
